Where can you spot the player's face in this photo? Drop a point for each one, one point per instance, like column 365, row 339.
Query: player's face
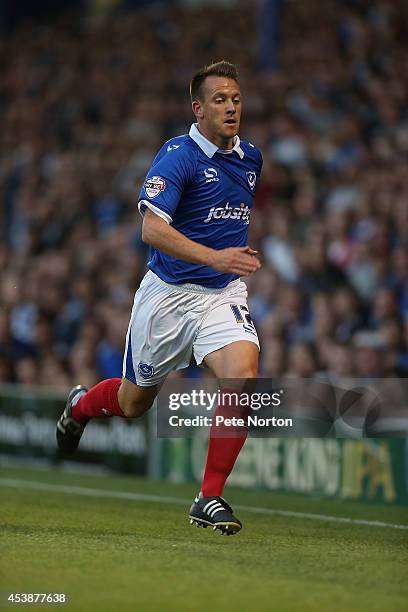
column 219, row 112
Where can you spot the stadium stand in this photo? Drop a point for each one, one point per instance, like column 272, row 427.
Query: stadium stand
column 86, row 102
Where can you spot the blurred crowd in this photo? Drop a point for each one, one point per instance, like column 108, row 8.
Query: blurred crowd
column 86, row 103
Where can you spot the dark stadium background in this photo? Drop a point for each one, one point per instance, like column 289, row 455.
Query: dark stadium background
column 89, row 91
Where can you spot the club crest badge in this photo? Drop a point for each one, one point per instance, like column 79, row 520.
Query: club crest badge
column 251, row 178
column 145, row 370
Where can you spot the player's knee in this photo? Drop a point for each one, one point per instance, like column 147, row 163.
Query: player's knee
column 239, row 371
column 246, row 368
column 250, row 371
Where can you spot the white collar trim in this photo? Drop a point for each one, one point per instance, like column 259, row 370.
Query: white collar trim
column 208, row 147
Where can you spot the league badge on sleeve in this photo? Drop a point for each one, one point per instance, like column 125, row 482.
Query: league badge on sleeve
column 251, row 177
column 154, row 185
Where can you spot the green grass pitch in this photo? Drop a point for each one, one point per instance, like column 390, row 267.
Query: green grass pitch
column 118, row 554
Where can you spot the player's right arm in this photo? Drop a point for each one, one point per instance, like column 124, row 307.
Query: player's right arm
column 234, row 260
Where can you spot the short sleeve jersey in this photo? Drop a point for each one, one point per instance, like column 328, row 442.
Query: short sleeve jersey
column 204, row 193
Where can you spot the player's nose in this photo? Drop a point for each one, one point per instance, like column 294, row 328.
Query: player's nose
column 230, row 108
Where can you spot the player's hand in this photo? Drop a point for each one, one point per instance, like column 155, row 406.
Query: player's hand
column 251, row 251
column 235, row 260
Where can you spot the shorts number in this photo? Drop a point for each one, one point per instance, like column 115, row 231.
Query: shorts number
column 241, row 314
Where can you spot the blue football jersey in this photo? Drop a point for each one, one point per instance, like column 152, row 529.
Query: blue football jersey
column 204, row 193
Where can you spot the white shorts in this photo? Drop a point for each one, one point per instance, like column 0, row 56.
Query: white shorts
column 171, row 323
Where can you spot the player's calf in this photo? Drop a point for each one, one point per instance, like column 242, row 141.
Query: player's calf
column 135, row 400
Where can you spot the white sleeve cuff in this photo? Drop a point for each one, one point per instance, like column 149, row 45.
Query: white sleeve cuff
column 160, row 213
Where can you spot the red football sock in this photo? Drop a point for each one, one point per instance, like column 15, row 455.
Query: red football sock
column 223, row 451
column 100, row 401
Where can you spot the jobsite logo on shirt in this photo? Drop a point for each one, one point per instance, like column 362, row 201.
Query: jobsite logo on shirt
column 240, row 212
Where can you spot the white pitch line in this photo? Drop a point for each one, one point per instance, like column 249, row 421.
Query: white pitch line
column 90, row 492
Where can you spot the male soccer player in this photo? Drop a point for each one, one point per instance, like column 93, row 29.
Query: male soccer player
column 196, row 203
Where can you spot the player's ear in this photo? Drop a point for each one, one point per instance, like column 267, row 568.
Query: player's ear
column 197, row 109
